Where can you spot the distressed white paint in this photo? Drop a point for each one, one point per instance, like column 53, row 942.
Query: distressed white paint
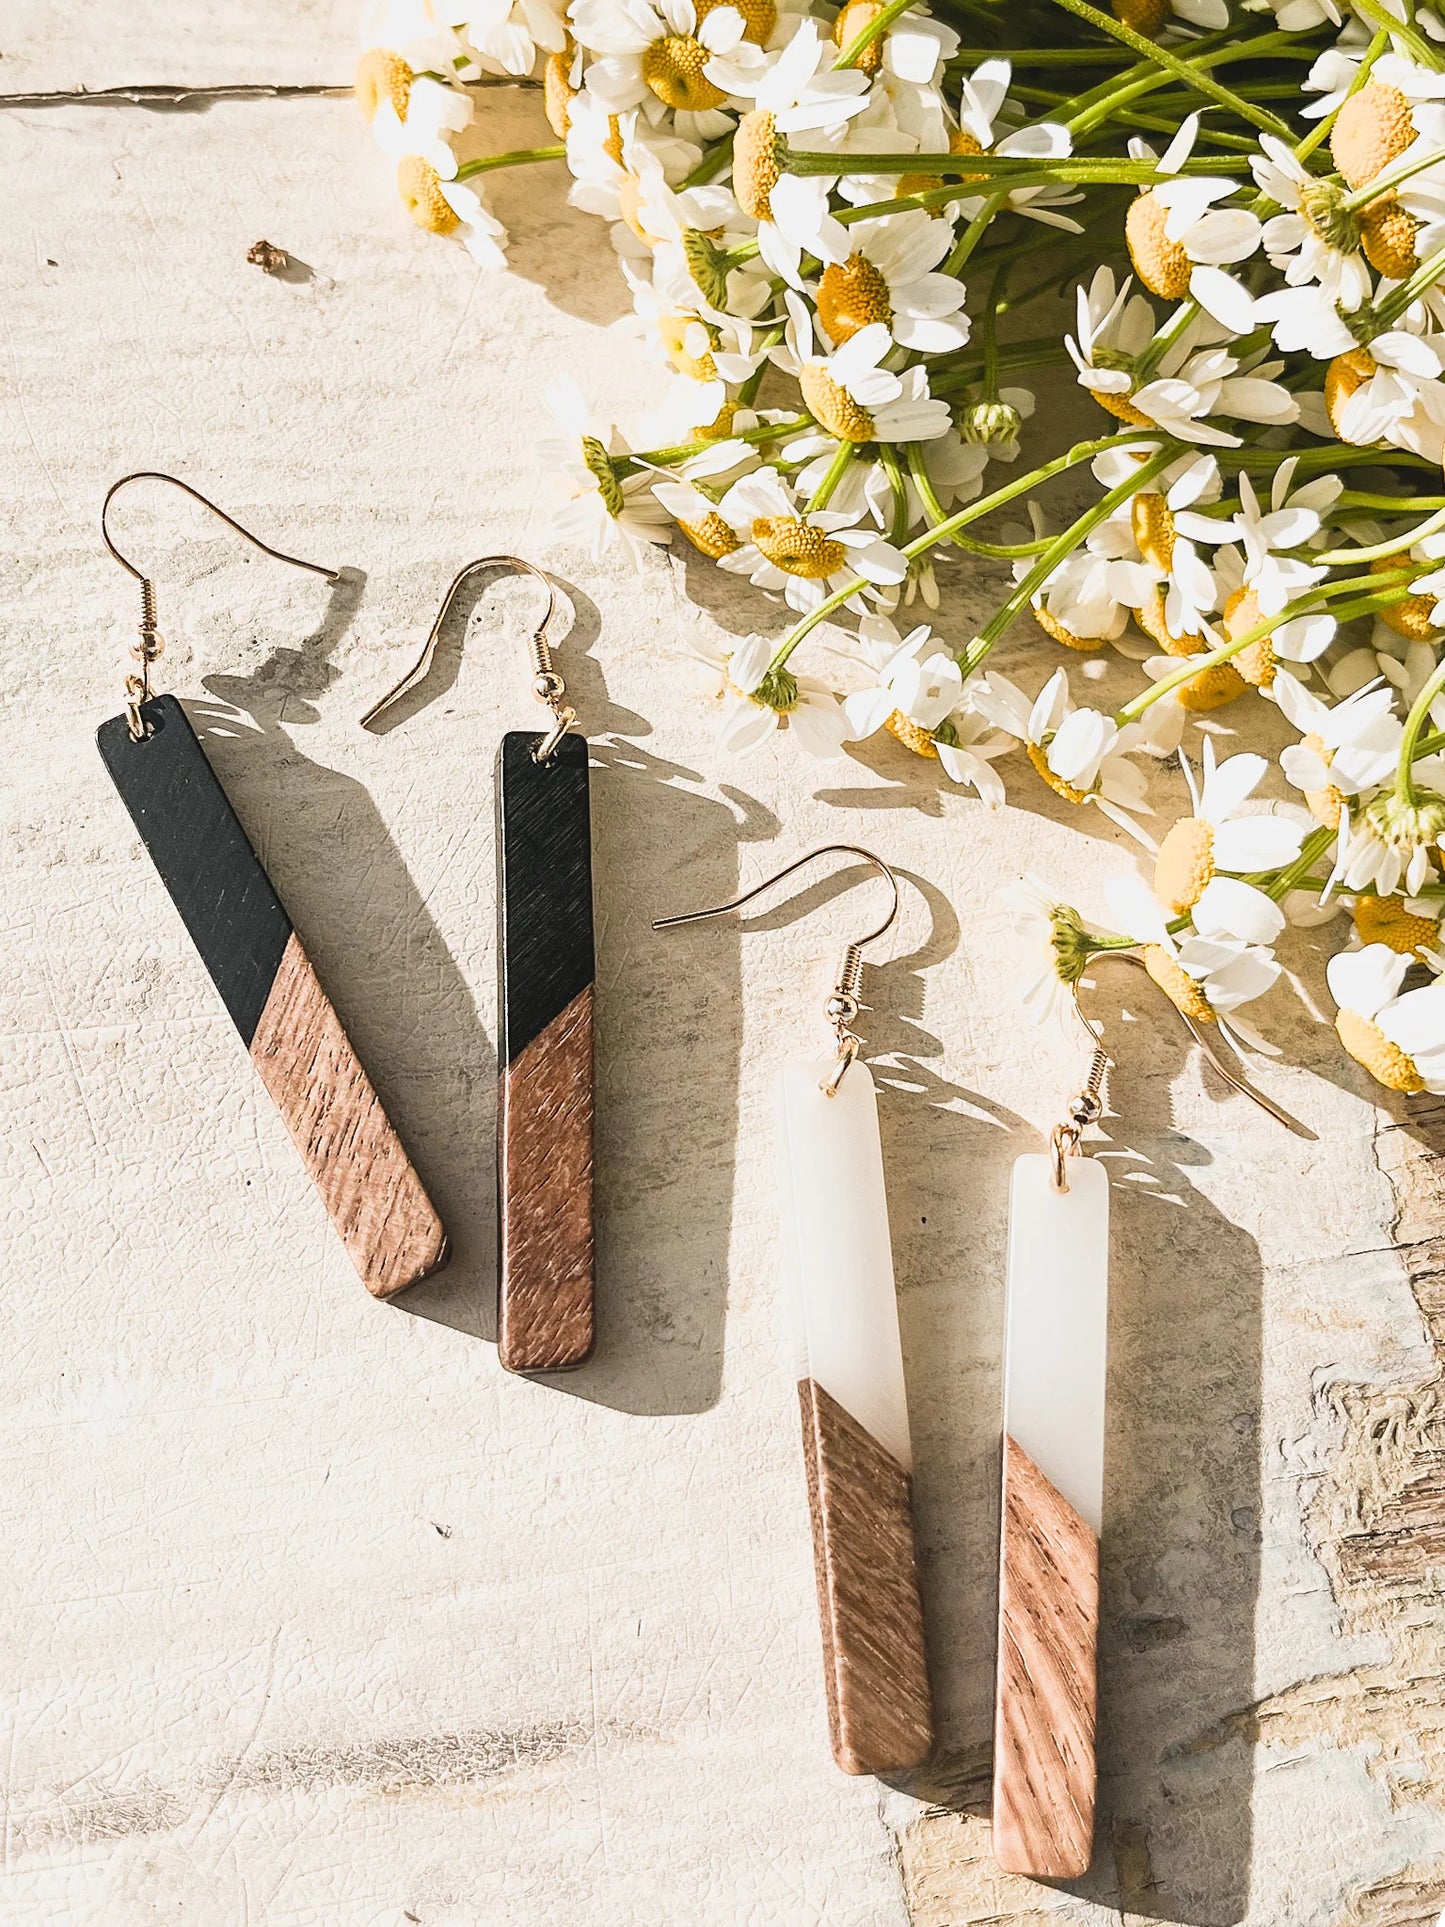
column 838, row 1257
column 1057, row 1325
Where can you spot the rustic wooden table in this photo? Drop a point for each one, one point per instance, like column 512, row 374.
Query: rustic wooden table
column 313, row 1617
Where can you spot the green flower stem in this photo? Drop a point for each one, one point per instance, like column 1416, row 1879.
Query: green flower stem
column 937, row 514
column 748, row 393
column 1164, row 339
column 519, row 157
column 712, row 163
column 1039, row 56
column 1058, row 550
column 1392, row 504
column 973, row 234
column 1307, row 604
column 1323, row 128
column 945, row 531
column 988, row 335
column 1334, row 455
column 1343, row 557
column 1296, row 873
column 888, row 462
column 1012, row 170
column 1420, row 282
column 837, row 469
column 683, row 451
column 1424, row 52
column 1391, row 177
column 875, row 29
column 1193, row 77
column 1406, row 788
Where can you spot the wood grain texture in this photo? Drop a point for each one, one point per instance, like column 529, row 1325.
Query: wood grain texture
column 1044, row 1767
column 545, row 1309
column 367, row 1183
column 880, row 1713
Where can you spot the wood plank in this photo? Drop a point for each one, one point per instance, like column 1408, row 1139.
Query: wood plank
column 1044, row 1767
column 880, row 1714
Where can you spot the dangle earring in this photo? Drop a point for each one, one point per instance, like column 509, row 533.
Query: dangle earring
column 1055, row 1350
column 546, row 1318
column 849, row 1366
column 254, row 957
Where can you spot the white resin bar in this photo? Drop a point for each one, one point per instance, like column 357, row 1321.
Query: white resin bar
column 837, row 1255
column 1057, row 1320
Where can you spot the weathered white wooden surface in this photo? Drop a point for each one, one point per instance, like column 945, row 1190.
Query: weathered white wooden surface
column 310, row 1615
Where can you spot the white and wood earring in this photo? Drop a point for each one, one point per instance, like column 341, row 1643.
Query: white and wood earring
column 1055, row 1350
column 838, row 1263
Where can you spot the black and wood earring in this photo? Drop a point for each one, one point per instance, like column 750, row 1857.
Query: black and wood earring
column 247, row 943
column 546, row 1318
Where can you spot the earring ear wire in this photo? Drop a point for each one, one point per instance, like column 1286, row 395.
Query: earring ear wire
column 151, row 644
column 843, row 1003
column 547, row 686
column 1087, row 1106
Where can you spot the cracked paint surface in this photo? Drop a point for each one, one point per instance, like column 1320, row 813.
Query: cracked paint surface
column 311, row 1616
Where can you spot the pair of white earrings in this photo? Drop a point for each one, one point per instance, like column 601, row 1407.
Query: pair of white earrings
column 839, row 1269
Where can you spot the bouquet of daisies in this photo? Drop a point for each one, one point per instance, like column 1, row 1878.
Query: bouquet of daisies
column 846, row 233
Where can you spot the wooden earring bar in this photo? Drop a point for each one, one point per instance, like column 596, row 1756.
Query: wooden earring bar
column 839, row 1265
column 545, row 1289
column 295, row 1039
column 1045, row 1773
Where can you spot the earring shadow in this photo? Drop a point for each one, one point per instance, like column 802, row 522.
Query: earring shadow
column 398, row 990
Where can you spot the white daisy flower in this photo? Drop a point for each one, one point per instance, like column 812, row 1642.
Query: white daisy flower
column 804, row 554
column 1211, row 237
column 980, row 116
column 1208, row 978
column 1081, row 754
column 600, row 512
column 662, row 50
column 1058, row 948
column 812, row 712
column 1400, row 1040
column 920, row 698
column 1348, row 746
column 854, row 397
column 1210, row 383
column 1191, row 874
column 433, row 113
column 1113, row 328
column 1303, row 242
column 508, row 34
column 890, row 278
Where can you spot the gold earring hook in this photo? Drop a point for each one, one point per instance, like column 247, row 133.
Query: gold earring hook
column 151, row 645
column 1089, row 1098
column 843, row 1001
column 547, row 686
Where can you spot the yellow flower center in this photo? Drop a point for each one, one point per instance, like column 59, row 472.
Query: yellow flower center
column 798, row 548
column 755, row 163
column 1327, row 804
column 599, row 466
column 711, row 537
column 1343, row 376
column 629, row 206
column 1144, row 16
column 851, row 296
column 1177, row 984
column 960, row 141
column 1211, row 688
column 558, row 93
column 1385, row 1062
column 1410, row 618
column 832, row 406
column 1185, row 864
column 1051, row 626
column 720, row 427
column 1255, row 662
column 1373, row 128
column 1153, row 527
column 381, row 75
column 1151, row 620
column 1161, row 264
column 1056, row 783
column 850, row 23
column 912, row 735
column 1387, row 235
column 674, row 329
column 1386, row 920
column 673, row 68
column 420, row 188
column 1121, row 408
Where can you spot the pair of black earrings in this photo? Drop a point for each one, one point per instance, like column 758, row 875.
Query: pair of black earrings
column 371, row 1191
